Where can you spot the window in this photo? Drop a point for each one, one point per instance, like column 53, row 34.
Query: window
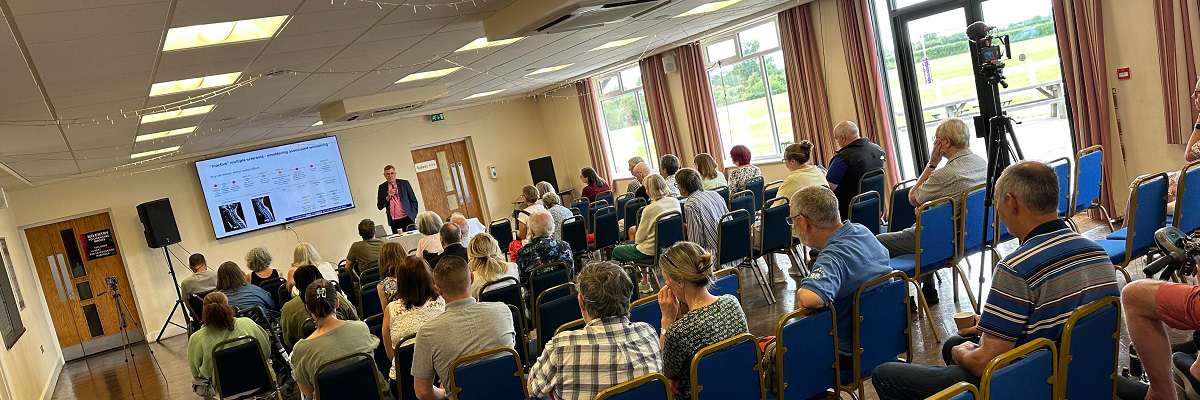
column 625, row 121
column 750, row 90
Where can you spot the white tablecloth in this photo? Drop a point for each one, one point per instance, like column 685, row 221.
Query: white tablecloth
column 409, row 239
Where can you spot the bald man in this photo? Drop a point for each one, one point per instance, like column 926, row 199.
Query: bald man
column 857, row 156
column 640, row 172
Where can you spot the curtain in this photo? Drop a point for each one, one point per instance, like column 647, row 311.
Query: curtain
column 658, row 105
column 866, row 82
column 1080, row 27
column 597, row 143
column 1166, row 14
column 697, row 95
column 806, row 82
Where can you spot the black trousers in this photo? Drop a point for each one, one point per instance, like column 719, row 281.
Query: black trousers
column 399, row 224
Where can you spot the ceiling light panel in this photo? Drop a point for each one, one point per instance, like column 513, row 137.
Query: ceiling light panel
column 618, row 43
column 428, row 74
column 707, row 8
column 165, row 134
column 188, row 37
column 549, row 69
column 154, row 152
column 190, row 84
column 483, row 43
column 166, row 115
column 484, row 94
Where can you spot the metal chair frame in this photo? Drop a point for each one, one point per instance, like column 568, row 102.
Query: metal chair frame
column 780, row 350
column 1003, row 360
column 1064, row 354
column 1075, row 188
column 635, row 383
column 763, row 281
column 955, row 390
column 453, row 390
column 695, row 365
column 856, row 331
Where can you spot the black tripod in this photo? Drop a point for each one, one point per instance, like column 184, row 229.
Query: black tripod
column 178, row 299
column 126, row 343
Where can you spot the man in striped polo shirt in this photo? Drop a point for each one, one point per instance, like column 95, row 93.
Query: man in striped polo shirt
column 1034, row 289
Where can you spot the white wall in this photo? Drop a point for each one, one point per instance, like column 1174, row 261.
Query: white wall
column 30, row 368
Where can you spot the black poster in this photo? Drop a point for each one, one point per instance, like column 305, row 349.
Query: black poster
column 98, row 244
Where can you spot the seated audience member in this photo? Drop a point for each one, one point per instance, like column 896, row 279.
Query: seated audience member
column 1148, row 305
column 452, row 243
column 258, row 260
column 529, row 195
column 668, row 165
column 219, row 325
column 364, row 254
column 418, row 304
column 293, row 313
column 963, row 170
column 391, row 256
column 607, row 351
column 849, row 257
column 487, row 263
column 640, row 172
column 543, row 248
column 201, row 280
column 702, row 211
column 644, row 234
column 232, row 282
column 744, row 172
column 544, row 187
column 797, row 157
column 856, row 156
column 334, row 338
column 553, row 204
column 1053, row 272
column 306, row 254
column 430, row 245
column 465, row 227
column 593, row 184
column 636, row 183
column 711, row 172
column 688, row 271
column 445, row 338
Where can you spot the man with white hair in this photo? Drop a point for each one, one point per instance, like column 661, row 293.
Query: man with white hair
column 856, row 156
column 640, row 172
column 963, row 170
column 542, row 247
column 637, row 182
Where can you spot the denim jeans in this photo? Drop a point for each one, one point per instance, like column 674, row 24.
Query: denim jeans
column 903, row 381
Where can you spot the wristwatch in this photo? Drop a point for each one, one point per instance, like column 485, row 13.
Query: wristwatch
column 931, row 166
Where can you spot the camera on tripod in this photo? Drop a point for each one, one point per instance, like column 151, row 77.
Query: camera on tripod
column 112, row 283
column 989, row 52
column 1178, row 253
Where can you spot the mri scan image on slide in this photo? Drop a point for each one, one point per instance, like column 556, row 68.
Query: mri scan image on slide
column 262, row 210
column 232, row 216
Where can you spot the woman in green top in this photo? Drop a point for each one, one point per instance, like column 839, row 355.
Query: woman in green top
column 293, row 314
column 333, row 339
column 219, row 325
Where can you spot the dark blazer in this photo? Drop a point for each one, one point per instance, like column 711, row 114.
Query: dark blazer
column 456, row 249
column 408, row 199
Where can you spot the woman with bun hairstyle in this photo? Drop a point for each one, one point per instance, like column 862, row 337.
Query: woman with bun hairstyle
column 333, row 339
column 218, row 324
column 798, row 159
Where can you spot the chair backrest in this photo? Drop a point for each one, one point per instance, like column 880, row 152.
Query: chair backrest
column 1187, row 199
column 770, row 191
column 728, row 369
column 403, row 384
column 370, row 275
column 605, row 196
column 554, row 308
column 775, row 232
column 604, row 224
column 958, row 391
column 806, row 354
column 370, row 301
column 522, row 337
column 724, row 192
column 574, row 232
column 873, row 180
column 621, row 201
column 865, row 209
column 727, row 281
column 195, row 303
column 347, row 278
column 646, row 310
column 971, row 225
column 308, row 327
column 382, row 362
column 593, row 207
column 633, row 209
column 348, row 377
column 580, row 207
column 272, row 288
column 646, row 387
column 491, row 374
column 668, row 231
column 546, row 276
column 901, row 213
column 755, row 186
column 881, row 323
column 569, row 326
column 240, row 366
column 1062, row 168
column 1031, row 374
column 743, row 200
column 501, row 229
column 505, row 290
column 936, row 234
column 1147, row 213
column 1087, row 361
column 1089, row 175
column 733, row 237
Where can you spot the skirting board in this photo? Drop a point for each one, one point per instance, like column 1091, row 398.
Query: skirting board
column 52, row 381
column 170, row 331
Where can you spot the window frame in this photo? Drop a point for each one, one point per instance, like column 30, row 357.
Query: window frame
column 760, row 55
column 640, row 96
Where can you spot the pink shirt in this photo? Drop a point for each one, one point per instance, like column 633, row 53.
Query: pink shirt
column 396, row 209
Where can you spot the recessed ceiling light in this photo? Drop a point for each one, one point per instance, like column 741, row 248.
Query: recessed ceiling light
column 484, row 94
column 154, row 152
column 165, row 115
column 707, row 8
column 190, row 84
column 318, row 123
column 549, row 69
column 187, row 37
column 165, row 134
column 618, row 43
column 429, row 74
column 483, row 43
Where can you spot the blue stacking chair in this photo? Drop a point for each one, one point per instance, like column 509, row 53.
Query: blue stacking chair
column 591, row 213
column 806, row 354
column 727, row 281
column 1062, row 168
column 646, row 387
column 570, row 326
column 487, row 375
column 743, row 200
column 668, row 231
column 369, row 276
column 507, row 291
column 382, row 362
column 1031, row 374
column 865, row 209
column 1147, row 213
column 544, row 277
column 647, row 310
column 604, row 223
column 972, row 225
column 958, row 391
column 240, row 368
column 555, row 307
column 621, row 201
column 580, row 207
column 1089, row 183
column 873, row 181
column 370, row 301
column 901, row 213
column 1187, row 199
column 775, row 235
column 521, row 335
column 881, row 328
column 402, row 386
column 936, row 248
column 733, row 245
column 724, row 192
column 1087, row 361
column 770, row 191
column 633, row 212
column 606, row 196
column 729, row 369
column 348, row 377
column 502, row 230
column 574, row 232
column 755, row 186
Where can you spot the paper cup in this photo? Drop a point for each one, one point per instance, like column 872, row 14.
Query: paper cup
column 964, row 320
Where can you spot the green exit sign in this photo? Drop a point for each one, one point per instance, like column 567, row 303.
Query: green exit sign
column 437, row 117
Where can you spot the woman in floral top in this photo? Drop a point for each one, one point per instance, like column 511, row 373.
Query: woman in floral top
column 744, row 171
column 417, row 304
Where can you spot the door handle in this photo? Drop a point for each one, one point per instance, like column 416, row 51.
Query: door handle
column 66, row 277
column 454, row 178
column 57, row 281
column 462, row 174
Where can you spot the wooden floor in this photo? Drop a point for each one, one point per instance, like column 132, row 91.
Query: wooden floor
column 109, row 376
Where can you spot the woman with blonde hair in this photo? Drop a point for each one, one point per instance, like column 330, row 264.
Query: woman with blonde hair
column 487, row 264
column 645, row 233
column 797, row 157
column 711, row 174
column 544, row 187
column 531, row 197
column 306, row 254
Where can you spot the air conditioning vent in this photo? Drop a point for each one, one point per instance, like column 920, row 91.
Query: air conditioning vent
column 382, row 105
column 529, row 17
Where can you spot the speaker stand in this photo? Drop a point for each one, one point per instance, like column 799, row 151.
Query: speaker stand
column 178, row 299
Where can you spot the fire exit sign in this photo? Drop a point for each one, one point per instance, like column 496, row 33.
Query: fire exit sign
column 437, row 117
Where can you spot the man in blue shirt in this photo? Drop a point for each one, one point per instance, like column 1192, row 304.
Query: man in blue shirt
column 849, row 257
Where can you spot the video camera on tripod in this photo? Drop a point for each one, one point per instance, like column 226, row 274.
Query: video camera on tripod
column 1178, row 253
column 989, row 53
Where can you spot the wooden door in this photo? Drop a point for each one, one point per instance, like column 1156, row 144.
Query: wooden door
column 447, row 180
column 74, row 259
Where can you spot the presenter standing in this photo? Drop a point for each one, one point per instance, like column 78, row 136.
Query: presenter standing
column 396, row 197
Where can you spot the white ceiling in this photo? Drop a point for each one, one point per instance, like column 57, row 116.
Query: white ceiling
column 97, row 57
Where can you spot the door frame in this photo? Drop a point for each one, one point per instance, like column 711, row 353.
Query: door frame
column 482, row 195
